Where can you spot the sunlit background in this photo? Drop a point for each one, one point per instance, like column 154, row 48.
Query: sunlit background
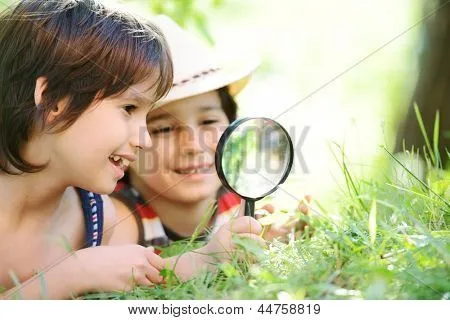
column 341, row 72
column 338, row 72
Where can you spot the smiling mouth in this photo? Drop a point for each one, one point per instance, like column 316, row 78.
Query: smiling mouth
column 119, row 162
column 198, row 170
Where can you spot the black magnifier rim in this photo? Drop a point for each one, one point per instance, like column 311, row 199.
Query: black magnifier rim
column 221, row 144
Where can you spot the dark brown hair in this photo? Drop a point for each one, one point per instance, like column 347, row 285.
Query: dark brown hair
column 228, row 103
column 84, row 50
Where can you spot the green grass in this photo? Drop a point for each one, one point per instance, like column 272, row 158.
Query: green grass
column 386, row 241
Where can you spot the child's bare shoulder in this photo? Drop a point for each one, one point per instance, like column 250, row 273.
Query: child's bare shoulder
column 126, row 227
column 110, row 217
column 70, row 218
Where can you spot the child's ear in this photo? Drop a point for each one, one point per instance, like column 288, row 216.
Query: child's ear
column 41, row 85
column 56, row 110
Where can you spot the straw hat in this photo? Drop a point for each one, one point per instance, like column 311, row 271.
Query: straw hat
column 198, row 68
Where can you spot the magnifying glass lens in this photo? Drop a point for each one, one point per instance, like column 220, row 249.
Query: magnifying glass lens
column 253, row 157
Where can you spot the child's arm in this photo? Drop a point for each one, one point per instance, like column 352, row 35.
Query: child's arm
column 219, row 249
column 63, row 280
column 99, row 269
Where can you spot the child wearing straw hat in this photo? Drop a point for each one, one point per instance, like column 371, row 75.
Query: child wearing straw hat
column 167, row 192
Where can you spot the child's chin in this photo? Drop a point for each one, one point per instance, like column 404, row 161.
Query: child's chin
column 105, row 188
column 193, row 197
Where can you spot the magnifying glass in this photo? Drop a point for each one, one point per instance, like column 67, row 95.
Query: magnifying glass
column 253, row 157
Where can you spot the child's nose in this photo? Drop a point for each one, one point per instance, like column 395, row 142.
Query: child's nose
column 191, row 141
column 141, row 138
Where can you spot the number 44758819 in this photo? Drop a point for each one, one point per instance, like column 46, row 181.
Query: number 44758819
column 289, row 308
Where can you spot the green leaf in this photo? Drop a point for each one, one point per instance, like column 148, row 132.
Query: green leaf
column 249, row 245
column 229, row 270
column 169, row 276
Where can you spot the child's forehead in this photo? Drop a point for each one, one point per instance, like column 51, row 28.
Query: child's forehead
column 180, row 112
column 143, row 93
column 145, row 98
column 198, row 103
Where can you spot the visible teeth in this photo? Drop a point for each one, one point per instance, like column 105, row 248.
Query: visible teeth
column 193, row 171
column 125, row 162
column 115, row 158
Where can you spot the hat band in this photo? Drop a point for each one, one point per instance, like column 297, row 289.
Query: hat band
column 195, row 77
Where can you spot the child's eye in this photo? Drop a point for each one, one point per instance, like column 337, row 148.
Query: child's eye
column 129, row 108
column 209, row 121
column 162, row 130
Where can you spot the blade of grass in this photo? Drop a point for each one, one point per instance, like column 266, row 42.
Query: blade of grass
column 436, row 140
column 424, row 132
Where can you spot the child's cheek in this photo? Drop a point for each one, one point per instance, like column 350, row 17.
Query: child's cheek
column 212, row 138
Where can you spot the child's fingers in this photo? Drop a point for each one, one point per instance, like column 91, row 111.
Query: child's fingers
column 155, row 260
column 137, row 279
column 153, row 275
column 245, row 225
column 144, row 281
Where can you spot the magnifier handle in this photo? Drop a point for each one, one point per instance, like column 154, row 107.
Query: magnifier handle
column 249, row 208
